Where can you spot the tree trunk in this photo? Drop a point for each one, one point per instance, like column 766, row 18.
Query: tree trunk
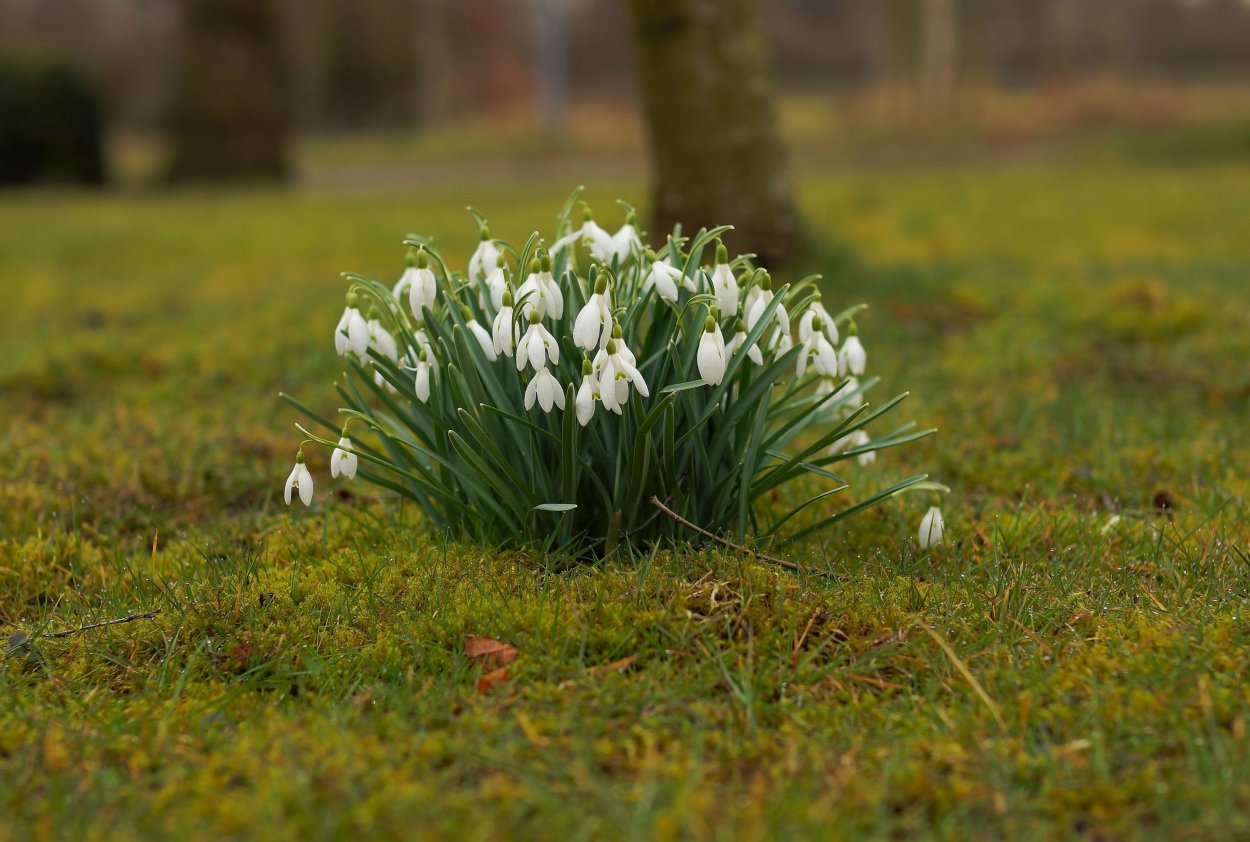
column 716, row 152
column 938, row 28
column 230, row 117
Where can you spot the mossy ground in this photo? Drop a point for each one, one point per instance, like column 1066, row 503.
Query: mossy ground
column 1080, row 335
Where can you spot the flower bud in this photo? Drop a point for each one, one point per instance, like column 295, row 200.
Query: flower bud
column 709, row 325
column 423, row 259
column 535, row 318
column 483, row 233
column 545, row 262
column 722, row 253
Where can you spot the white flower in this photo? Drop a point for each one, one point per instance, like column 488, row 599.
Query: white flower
column 382, row 382
column 537, row 346
column 805, row 322
column 540, row 291
column 593, row 326
column 546, row 389
column 598, row 241
column 493, row 287
column 626, row 240
column 299, row 479
column 485, row 258
column 740, row 337
column 854, row 397
column 380, row 339
column 932, row 528
column 617, row 370
column 755, row 311
column 423, row 289
column 852, row 357
column 711, row 357
column 406, row 279
column 664, row 276
column 817, row 349
column 352, row 333
column 343, row 461
column 724, row 284
column 426, row 366
column 859, row 438
column 587, row 394
column 483, row 338
column 504, row 331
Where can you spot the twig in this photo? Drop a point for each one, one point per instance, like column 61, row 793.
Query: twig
column 146, row 615
column 789, row 565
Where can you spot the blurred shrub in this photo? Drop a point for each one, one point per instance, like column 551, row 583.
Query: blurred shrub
column 51, row 122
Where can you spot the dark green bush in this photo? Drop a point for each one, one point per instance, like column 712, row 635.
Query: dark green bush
column 51, row 122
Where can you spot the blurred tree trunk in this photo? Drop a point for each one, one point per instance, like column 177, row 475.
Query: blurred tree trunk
column 715, row 148
column 230, row 116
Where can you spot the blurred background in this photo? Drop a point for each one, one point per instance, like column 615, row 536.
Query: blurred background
column 398, row 93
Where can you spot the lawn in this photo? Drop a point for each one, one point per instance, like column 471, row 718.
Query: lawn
column 1072, row 662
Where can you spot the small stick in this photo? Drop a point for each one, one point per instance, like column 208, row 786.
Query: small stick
column 146, row 615
column 789, row 565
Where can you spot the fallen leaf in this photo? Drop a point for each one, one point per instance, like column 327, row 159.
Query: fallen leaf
column 490, row 651
column 615, row 666
column 488, row 682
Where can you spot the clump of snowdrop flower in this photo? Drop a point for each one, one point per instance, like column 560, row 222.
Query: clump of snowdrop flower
column 477, row 394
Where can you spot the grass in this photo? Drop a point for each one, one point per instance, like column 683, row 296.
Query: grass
column 1071, row 663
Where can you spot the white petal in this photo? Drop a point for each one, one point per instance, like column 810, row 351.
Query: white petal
column 585, row 400
column 305, row 485
column 358, row 334
column 932, row 527
column 483, row 339
column 290, row 482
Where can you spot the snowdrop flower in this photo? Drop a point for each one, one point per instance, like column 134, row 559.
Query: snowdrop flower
column 852, row 357
column 546, row 389
column 598, row 241
column 504, row 331
column 537, row 346
column 426, row 366
column 380, row 339
column 626, row 240
column 859, row 438
column 760, row 303
column 493, row 286
column 593, row 326
column 352, row 333
column 711, row 356
column 479, row 333
column 746, row 282
column 805, row 322
column 854, row 397
column 724, row 284
column 619, row 370
column 406, row 279
column 932, row 527
column 818, row 351
column 299, row 480
column 423, row 291
column 485, row 258
column 342, row 460
column 664, row 277
column 540, row 291
column 740, row 337
column 587, row 394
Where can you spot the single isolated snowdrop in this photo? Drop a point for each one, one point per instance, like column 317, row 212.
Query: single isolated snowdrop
column 663, row 277
column 504, row 331
column 853, row 357
column 479, row 333
column 739, row 339
column 619, row 372
column 814, row 310
column 343, row 461
column 546, row 389
column 711, row 356
column 537, row 346
column 818, row 351
column 300, row 480
column 352, row 333
column 423, row 291
column 540, row 291
column 485, row 258
column 932, row 527
column 724, row 284
column 587, row 394
column 593, row 326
